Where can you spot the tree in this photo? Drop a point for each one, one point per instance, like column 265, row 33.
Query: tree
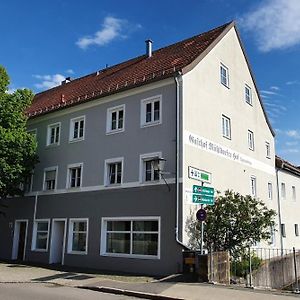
column 234, row 223
column 17, row 146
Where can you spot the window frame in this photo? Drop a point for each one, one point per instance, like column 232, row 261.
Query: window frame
column 146, row 157
column 72, row 126
column 109, row 113
column 144, row 103
column 103, row 236
column 296, row 230
column 247, row 87
column 268, row 149
column 270, row 191
column 283, row 191
column 109, row 161
column 49, row 128
column 34, row 235
column 283, row 230
column 54, row 168
column 68, row 181
column 250, row 135
column 223, row 66
column 224, row 120
column 253, row 191
column 294, row 193
column 70, row 236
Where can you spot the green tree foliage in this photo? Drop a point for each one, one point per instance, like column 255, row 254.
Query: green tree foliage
column 234, row 223
column 17, row 147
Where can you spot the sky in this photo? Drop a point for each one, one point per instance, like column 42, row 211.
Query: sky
column 42, row 42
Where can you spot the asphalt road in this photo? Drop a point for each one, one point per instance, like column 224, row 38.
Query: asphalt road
column 36, row 291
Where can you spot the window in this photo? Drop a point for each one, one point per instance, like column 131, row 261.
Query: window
column 294, row 193
column 250, row 140
column 77, row 129
column 248, row 94
column 282, row 228
column 26, row 186
column 50, row 178
column 283, row 193
column 268, row 150
column 113, row 171
column 40, row 235
column 151, row 109
column 131, row 237
column 270, row 191
column 74, row 175
column 224, row 75
column 253, row 186
column 272, row 235
column 115, row 119
column 226, row 127
column 147, row 172
column 78, row 236
column 53, row 134
column 296, row 229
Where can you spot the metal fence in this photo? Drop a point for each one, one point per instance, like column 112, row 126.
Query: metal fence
column 268, row 268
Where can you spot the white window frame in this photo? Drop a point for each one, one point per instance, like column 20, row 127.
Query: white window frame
column 22, row 185
column 273, row 237
column 144, row 103
column 268, row 150
column 226, row 122
column 68, row 181
column 143, row 158
column 282, row 191
column 104, row 221
column 222, row 66
column 49, row 127
column 251, row 140
column 270, row 191
column 55, row 168
column 109, row 113
column 296, row 230
column 70, row 236
column 294, row 193
column 247, row 87
column 283, row 230
column 71, row 133
column 34, row 235
column 253, row 188
column 109, row 161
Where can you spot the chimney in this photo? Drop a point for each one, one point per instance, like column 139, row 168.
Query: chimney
column 68, row 79
column 149, row 47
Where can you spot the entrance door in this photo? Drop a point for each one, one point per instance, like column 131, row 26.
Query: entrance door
column 57, row 245
column 19, row 242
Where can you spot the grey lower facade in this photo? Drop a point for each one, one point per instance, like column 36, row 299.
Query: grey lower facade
column 147, row 201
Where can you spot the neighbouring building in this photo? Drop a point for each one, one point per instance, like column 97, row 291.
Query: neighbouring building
column 99, row 199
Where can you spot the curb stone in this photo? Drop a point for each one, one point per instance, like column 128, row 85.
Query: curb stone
column 129, row 293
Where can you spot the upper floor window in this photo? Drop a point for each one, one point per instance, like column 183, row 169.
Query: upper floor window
column 151, row 111
column 253, row 186
column 53, row 134
column 250, row 140
column 283, row 193
column 74, row 176
column 40, row 235
column 248, row 94
column 224, row 75
column 113, row 171
column 226, row 127
column 115, row 119
column 268, row 150
column 270, row 191
column 147, row 171
column 296, row 229
column 26, row 186
column 294, row 193
column 77, row 129
column 282, row 229
column 50, row 179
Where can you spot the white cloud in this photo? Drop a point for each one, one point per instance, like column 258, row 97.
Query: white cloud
column 274, row 88
column 295, row 143
column 112, row 28
column 70, row 71
column 268, row 92
column 293, row 134
column 48, row 81
column 275, row 24
column 292, row 82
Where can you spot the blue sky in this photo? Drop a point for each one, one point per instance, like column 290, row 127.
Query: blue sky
column 44, row 41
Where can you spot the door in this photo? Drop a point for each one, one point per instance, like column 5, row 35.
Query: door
column 57, row 245
column 19, row 241
column 21, row 246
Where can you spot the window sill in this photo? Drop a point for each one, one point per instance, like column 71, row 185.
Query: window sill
column 77, row 252
column 52, row 145
column 40, row 250
column 227, row 86
column 115, row 131
column 249, row 103
column 136, row 256
column 76, row 140
column 226, row 137
column 150, row 124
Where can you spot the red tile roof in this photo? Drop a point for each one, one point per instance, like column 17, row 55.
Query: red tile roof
column 164, row 63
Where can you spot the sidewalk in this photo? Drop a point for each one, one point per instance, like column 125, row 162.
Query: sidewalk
column 142, row 287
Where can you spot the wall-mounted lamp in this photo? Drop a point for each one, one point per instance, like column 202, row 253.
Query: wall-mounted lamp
column 158, row 165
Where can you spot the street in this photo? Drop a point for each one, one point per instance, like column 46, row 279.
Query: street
column 37, row 291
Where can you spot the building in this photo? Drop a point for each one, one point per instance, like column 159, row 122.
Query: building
column 98, row 198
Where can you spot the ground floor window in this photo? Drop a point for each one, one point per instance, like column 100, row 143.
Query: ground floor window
column 40, row 235
column 134, row 237
column 78, row 236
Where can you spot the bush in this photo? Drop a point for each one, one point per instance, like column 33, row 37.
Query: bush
column 240, row 267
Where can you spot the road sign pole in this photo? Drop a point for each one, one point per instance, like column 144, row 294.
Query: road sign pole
column 202, row 235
